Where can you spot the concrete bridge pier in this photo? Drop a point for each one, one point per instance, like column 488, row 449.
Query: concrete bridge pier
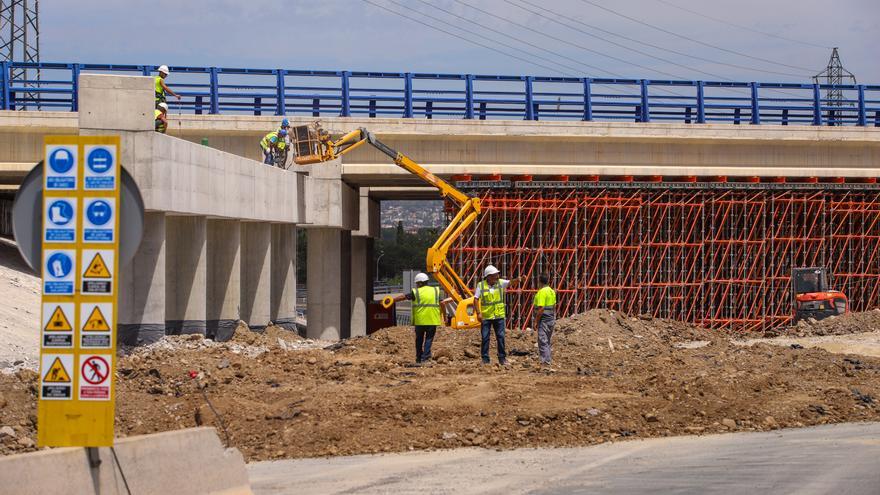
column 362, row 265
column 223, row 279
column 141, row 311
column 256, row 258
column 282, row 310
column 185, row 275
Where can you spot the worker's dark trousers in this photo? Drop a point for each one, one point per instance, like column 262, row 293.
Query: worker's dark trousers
column 424, row 339
column 267, row 156
column 545, row 333
column 485, row 329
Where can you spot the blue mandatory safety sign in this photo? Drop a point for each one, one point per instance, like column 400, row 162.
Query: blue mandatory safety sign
column 98, row 225
column 60, row 222
column 59, row 273
column 100, row 162
column 62, row 169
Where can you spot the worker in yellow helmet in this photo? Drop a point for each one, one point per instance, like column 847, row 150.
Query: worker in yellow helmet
column 425, row 315
column 489, row 298
column 545, row 317
column 161, row 117
column 161, row 87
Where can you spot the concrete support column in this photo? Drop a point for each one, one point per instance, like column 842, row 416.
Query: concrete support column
column 141, row 315
column 185, row 275
column 223, row 278
column 361, row 283
column 256, row 248
column 329, row 283
column 283, row 291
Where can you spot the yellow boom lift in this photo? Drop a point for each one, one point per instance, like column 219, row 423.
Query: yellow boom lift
column 314, row 145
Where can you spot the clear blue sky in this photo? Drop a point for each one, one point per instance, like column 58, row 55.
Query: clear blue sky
column 353, row 34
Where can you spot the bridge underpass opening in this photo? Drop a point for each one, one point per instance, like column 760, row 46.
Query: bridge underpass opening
column 717, row 254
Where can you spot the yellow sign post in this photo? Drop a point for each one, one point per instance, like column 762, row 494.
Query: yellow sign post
column 80, row 287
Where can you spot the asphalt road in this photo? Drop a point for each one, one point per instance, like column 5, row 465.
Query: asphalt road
column 835, row 459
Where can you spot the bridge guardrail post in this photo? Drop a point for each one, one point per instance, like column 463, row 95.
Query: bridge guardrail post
column 408, row 95
column 756, row 111
column 817, row 106
column 863, row 115
column 4, row 78
column 74, row 87
column 469, row 96
column 215, row 91
column 280, row 103
column 530, row 99
column 588, row 100
column 645, row 114
column 701, row 103
column 346, row 94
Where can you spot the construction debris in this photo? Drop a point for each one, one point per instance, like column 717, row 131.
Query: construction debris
column 300, row 399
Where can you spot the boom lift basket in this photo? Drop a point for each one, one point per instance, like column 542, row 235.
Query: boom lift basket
column 306, row 142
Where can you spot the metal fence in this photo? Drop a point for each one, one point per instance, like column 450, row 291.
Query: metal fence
column 223, row 90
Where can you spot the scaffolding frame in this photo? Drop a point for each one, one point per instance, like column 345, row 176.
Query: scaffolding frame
column 719, row 255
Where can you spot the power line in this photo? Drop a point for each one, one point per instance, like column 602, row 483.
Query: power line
column 461, row 37
column 740, row 26
column 741, row 67
column 688, row 38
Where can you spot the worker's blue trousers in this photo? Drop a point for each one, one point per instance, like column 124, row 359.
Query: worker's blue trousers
column 485, row 328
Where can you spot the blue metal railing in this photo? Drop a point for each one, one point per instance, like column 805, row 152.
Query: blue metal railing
column 222, row 90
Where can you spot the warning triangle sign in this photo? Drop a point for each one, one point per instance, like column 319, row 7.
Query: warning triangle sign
column 96, row 322
column 58, row 322
column 57, row 373
column 97, row 268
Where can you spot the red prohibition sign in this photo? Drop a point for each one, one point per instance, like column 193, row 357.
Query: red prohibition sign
column 95, row 370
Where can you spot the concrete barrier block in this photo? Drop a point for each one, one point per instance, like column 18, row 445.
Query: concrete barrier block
column 117, row 103
column 185, row 462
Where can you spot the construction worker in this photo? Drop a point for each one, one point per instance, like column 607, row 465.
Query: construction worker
column 545, row 317
column 161, row 116
column 489, row 298
column 161, row 87
column 425, row 315
column 270, row 143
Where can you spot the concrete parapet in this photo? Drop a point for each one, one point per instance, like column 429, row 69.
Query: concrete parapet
column 147, row 464
column 116, row 103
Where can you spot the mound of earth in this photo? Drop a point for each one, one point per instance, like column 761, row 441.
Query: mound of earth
column 616, row 377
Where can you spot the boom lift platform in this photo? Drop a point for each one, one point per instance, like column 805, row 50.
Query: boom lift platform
column 313, row 144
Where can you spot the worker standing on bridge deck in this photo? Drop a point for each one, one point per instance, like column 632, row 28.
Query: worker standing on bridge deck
column 545, row 316
column 161, row 116
column 270, row 143
column 425, row 315
column 161, row 87
column 489, row 301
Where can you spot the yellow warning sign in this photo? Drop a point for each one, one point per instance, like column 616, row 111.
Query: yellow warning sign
column 96, row 322
column 97, row 268
column 58, row 322
column 57, row 373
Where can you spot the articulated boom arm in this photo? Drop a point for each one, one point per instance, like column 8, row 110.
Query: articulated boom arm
column 437, row 264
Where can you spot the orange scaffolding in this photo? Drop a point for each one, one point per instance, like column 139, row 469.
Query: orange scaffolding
column 718, row 254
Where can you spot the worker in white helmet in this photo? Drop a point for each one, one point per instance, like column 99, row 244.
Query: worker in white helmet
column 161, row 87
column 425, row 315
column 489, row 302
column 161, row 117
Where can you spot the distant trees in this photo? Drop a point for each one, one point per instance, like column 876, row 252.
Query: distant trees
column 403, row 250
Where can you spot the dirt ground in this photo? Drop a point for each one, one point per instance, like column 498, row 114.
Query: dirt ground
column 616, row 377
column 20, row 311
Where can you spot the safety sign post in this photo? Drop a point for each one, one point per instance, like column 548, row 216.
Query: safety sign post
column 80, row 256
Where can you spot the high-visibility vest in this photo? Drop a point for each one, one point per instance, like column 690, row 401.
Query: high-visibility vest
column 491, row 300
column 160, row 90
column 546, row 298
column 160, row 126
column 426, row 306
column 269, row 139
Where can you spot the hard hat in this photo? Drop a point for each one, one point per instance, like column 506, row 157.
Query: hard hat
column 282, row 132
column 490, row 270
column 163, row 106
column 163, row 69
column 421, row 278
column 285, row 123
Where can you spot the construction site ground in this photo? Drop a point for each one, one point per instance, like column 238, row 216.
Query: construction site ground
column 616, row 377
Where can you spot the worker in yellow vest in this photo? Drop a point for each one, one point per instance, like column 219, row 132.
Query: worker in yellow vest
column 275, row 140
column 489, row 298
column 545, row 317
column 425, row 315
column 161, row 88
column 160, row 115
